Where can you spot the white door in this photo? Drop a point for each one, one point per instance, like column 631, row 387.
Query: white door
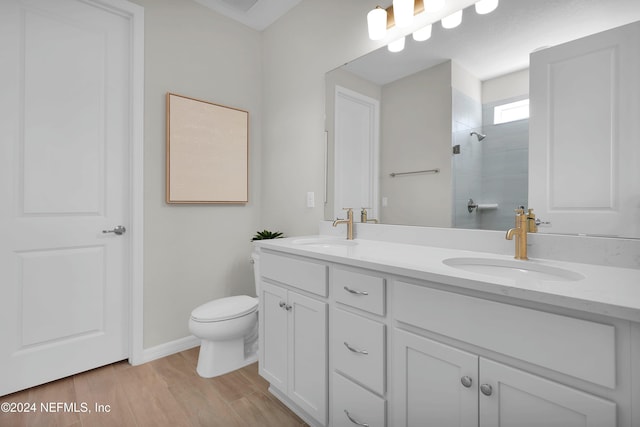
column 65, row 129
column 356, row 142
column 272, row 335
column 308, row 354
column 584, row 152
column 435, row 385
column 518, row 399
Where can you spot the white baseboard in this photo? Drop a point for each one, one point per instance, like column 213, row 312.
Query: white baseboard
column 168, row 348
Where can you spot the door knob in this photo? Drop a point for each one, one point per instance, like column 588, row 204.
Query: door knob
column 119, row 230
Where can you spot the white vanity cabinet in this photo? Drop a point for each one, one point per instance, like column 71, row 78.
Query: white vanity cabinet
column 438, row 384
column 441, row 385
column 293, row 333
column 347, row 345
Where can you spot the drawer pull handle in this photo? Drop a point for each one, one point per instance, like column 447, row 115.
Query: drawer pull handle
column 486, row 389
column 346, row 288
column 353, row 420
column 355, row 350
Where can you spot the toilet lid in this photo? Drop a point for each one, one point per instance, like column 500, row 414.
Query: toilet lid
column 225, row 309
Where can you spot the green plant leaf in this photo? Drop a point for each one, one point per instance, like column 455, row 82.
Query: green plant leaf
column 266, row 234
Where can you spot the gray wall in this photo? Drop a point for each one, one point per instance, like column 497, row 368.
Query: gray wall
column 416, row 116
column 194, row 253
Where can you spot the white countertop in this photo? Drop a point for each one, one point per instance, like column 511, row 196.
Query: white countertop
column 609, row 291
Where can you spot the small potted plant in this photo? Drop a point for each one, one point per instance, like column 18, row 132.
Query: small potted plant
column 266, row 234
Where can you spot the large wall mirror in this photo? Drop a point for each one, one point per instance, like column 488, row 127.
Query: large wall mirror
column 438, row 134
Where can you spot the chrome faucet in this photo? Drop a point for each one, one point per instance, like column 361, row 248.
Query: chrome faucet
column 348, row 221
column 525, row 223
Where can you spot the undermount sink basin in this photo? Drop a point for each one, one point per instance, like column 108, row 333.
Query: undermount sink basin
column 513, row 269
column 324, row 242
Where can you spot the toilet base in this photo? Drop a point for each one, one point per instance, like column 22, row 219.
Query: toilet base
column 221, row 357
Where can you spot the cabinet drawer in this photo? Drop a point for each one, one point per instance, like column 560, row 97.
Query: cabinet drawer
column 359, row 349
column 351, row 400
column 359, row 290
column 575, row 347
column 306, row 275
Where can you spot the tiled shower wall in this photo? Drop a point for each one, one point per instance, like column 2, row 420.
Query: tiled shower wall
column 466, row 166
column 491, row 171
column 505, row 165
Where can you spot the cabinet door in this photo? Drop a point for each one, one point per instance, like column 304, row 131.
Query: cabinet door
column 273, row 335
column 520, row 399
column 435, row 385
column 583, row 152
column 308, row 382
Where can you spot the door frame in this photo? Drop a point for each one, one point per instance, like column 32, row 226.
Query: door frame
column 135, row 14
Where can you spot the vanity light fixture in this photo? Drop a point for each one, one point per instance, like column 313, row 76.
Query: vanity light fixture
column 486, row 6
column 433, row 5
column 422, row 34
column 453, row 20
column 377, row 23
column 401, row 15
column 403, row 12
column 396, row 45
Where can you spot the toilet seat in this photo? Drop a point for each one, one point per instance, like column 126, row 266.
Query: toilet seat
column 225, row 309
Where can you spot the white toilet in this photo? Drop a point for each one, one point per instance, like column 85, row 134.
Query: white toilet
column 228, row 330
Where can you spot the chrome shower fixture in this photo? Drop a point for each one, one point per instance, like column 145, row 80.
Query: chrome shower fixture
column 478, row 135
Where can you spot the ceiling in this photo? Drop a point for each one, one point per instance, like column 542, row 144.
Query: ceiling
column 498, row 43
column 257, row 14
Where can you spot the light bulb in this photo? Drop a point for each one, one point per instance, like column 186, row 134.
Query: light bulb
column 403, row 12
column 486, row 6
column 422, row 34
column 452, row 20
column 396, row 45
column 377, row 23
column 433, row 5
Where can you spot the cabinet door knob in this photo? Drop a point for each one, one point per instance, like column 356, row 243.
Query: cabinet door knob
column 353, row 420
column 466, row 381
column 486, row 389
column 355, row 350
column 346, row 288
column 282, row 304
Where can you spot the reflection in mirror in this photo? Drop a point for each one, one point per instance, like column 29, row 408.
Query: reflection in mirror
column 424, row 104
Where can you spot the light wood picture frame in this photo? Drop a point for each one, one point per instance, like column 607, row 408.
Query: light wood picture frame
column 207, row 152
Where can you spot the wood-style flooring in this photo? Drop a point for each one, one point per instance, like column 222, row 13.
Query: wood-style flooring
column 165, row 392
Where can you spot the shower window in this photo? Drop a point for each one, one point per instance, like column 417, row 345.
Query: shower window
column 511, row 112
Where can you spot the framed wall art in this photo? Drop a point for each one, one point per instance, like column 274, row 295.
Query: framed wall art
column 207, row 152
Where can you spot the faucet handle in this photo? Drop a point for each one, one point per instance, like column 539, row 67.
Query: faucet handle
column 532, row 225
